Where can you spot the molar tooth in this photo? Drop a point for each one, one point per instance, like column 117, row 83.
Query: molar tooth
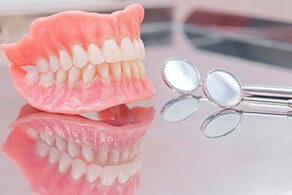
column 115, row 69
column 53, row 155
column 65, row 60
column 80, row 57
column 32, row 76
column 61, row 144
column 73, row 148
column 93, row 172
column 54, row 63
column 109, row 175
column 101, row 158
column 78, row 169
column 114, row 157
column 61, row 77
column 74, row 76
column 126, row 69
column 111, row 51
column 47, row 138
column 103, row 71
column 87, row 152
column 64, row 162
column 42, row 148
column 126, row 170
column 47, row 78
column 134, row 69
column 127, row 49
column 88, row 74
column 141, row 50
column 124, row 155
column 42, row 65
column 94, row 54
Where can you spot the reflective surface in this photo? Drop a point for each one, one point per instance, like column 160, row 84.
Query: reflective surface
column 176, row 158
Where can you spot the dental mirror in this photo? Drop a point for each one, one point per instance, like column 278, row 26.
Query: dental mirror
column 180, row 108
column 180, row 75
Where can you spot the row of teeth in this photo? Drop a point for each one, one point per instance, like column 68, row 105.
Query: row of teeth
column 107, row 168
column 87, row 74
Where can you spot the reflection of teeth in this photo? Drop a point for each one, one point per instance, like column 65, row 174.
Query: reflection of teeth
column 103, row 71
column 94, row 54
column 47, row 78
column 115, row 70
column 88, row 74
column 74, row 76
column 65, row 162
column 127, row 49
column 42, row 148
column 80, row 57
column 78, row 169
column 101, row 158
column 61, row 144
column 134, row 70
column 42, row 66
column 87, row 152
column 126, row 69
column 65, row 60
column 54, row 155
column 109, row 175
column 93, row 172
column 61, row 77
column 114, row 157
column 73, row 148
column 54, row 63
column 32, row 76
column 47, row 138
column 111, row 51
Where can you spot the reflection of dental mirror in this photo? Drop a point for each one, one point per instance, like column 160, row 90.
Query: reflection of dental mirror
column 225, row 121
column 180, row 75
column 180, row 108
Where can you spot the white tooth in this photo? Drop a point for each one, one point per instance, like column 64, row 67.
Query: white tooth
column 141, row 50
column 103, row 71
column 95, row 55
column 47, row 78
column 32, row 134
column 101, row 158
column 133, row 151
column 134, row 69
column 126, row 170
column 88, row 74
column 61, row 144
column 54, row 155
column 114, row 157
column 78, row 169
column 124, row 156
column 42, row 148
column 126, row 69
column 42, row 66
column 73, row 148
column 137, row 166
column 65, row 162
column 109, row 175
column 93, row 172
column 49, row 139
column 136, row 48
column 141, row 68
column 87, row 152
column 32, row 76
column 115, row 69
column 54, row 63
column 74, row 76
column 127, row 49
column 80, row 57
column 111, row 51
column 61, row 77
column 65, row 60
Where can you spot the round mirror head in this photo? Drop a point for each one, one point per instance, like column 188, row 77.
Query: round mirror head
column 180, row 75
column 180, row 108
column 221, row 123
column 222, row 88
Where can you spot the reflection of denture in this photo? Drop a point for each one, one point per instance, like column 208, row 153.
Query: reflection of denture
column 72, row 53
column 74, row 155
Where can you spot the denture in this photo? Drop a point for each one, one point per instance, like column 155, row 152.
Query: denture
column 74, row 62
column 61, row 154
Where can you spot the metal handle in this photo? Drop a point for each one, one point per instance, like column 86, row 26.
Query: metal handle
column 267, row 100
column 268, row 91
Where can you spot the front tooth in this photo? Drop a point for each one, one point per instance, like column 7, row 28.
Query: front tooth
column 126, row 69
column 47, row 78
column 126, row 170
column 74, row 76
column 73, row 148
column 53, row 155
column 80, row 57
column 78, row 169
column 87, row 152
column 65, row 60
column 61, row 77
column 88, row 74
column 93, row 172
column 54, row 63
column 32, row 76
column 114, row 157
column 95, row 55
column 42, row 148
column 111, row 51
column 134, row 69
column 64, row 162
column 49, row 139
column 115, row 69
column 109, row 175
column 101, row 158
column 141, row 50
column 61, row 144
column 127, row 49
column 124, row 155
column 103, row 71
column 42, row 66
